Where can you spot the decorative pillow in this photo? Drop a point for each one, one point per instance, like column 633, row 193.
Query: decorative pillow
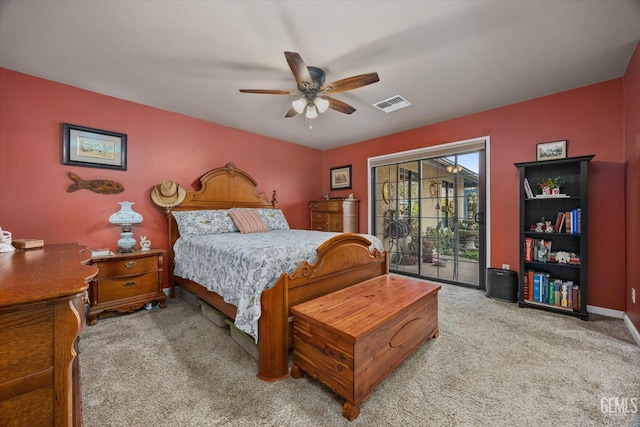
column 199, row 223
column 248, row 221
column 273, row 218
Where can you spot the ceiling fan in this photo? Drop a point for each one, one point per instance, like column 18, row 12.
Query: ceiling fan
column 313, row 90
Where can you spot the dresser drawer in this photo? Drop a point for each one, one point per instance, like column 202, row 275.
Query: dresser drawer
column 319, row 226
column 115, row 289
column 328, row 206
column 26, row 344
column 127, row 267
column 318, row 217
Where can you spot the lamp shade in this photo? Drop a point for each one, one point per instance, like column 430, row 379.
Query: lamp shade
column 312, row 113
column 321, row 104
column 299, row 105
column 125, row 215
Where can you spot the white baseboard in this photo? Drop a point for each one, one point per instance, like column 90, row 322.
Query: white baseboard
column 617, row 314
column 632, row 329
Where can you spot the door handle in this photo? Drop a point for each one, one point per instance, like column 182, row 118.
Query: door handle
column 478, row 218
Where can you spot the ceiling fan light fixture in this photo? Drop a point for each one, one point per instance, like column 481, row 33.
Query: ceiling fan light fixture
column 321, row 104
column 312, row 113
column 299, row 105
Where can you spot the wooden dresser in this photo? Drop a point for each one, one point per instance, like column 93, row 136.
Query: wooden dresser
column 125, row 282
column 339, row 215
column 41, row 316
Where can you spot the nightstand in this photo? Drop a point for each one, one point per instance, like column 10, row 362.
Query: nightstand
column 126, row 282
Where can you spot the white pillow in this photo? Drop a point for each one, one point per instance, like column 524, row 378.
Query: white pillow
column 274, row 218
column 202, row 222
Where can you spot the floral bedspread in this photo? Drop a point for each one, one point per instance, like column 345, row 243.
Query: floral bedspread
column 239, row 267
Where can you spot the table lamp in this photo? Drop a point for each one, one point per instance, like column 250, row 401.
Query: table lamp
column 126, row 217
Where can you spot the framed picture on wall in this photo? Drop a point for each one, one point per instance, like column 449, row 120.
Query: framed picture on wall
column 340, row 178
column 551, row 150
column 83, row 146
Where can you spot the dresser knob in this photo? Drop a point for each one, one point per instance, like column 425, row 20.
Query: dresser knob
column 129, row 284
column 130, row 264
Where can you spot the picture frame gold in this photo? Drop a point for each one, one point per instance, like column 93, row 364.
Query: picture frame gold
column 89, row 147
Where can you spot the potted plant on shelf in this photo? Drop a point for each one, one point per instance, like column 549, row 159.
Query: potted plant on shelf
column 550, row 186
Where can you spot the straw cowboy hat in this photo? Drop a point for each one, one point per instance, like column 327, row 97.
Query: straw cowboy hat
column 168, row 194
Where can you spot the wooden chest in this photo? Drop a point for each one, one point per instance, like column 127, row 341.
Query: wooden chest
column 353, row 338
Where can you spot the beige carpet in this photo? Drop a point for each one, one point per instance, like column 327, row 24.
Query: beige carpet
column 494, row 364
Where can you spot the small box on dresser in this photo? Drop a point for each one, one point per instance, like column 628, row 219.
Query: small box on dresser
column 126, row 282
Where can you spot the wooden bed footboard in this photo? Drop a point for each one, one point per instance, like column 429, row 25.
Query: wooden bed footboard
column 342, row 261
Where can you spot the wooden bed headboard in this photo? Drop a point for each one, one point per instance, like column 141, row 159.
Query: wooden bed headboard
column 221, row 188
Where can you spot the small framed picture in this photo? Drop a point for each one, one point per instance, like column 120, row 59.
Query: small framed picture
column 340, row 178
column 83, row 146
column 551, row 150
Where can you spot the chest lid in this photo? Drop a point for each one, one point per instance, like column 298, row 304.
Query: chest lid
column 362, row 308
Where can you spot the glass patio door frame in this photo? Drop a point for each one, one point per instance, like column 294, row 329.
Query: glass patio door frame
column 451, row 198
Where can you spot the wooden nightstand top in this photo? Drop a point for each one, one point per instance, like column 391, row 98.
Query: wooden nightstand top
column 136, row 254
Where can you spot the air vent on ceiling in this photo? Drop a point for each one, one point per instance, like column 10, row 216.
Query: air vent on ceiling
column 392, row 104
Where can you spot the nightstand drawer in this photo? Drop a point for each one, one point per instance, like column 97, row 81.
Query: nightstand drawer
column 115, row 289
column 127, row 267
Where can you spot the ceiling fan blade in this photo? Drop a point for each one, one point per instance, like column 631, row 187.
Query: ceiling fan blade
column 268, row 91
column 340, row 106
column 351, row 82
column 299, row 70
column 292, row 112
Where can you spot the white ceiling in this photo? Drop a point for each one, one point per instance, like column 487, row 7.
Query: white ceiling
column 448, row 58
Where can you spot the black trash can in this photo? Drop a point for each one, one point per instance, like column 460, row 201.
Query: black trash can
column 502, row 284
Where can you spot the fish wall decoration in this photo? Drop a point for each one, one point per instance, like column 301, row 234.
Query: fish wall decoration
column 100, row 186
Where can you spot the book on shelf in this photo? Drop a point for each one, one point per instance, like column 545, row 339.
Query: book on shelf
column 559, row 222
column 576, row 298
column 536, row 286
column 573, row 221
column 568, row 221
column 552, row 291
column 528, row 248
column 527, row 189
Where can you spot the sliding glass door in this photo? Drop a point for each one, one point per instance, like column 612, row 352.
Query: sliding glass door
column 429, row 214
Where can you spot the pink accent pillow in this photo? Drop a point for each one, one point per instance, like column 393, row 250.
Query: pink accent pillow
column 248, row 221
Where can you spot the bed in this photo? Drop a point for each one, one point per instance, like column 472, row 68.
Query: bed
column 341, row 261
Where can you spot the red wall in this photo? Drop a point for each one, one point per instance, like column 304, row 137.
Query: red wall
column 34, row 202
column 590, row 118
column 632, row 159
column 164, row 145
